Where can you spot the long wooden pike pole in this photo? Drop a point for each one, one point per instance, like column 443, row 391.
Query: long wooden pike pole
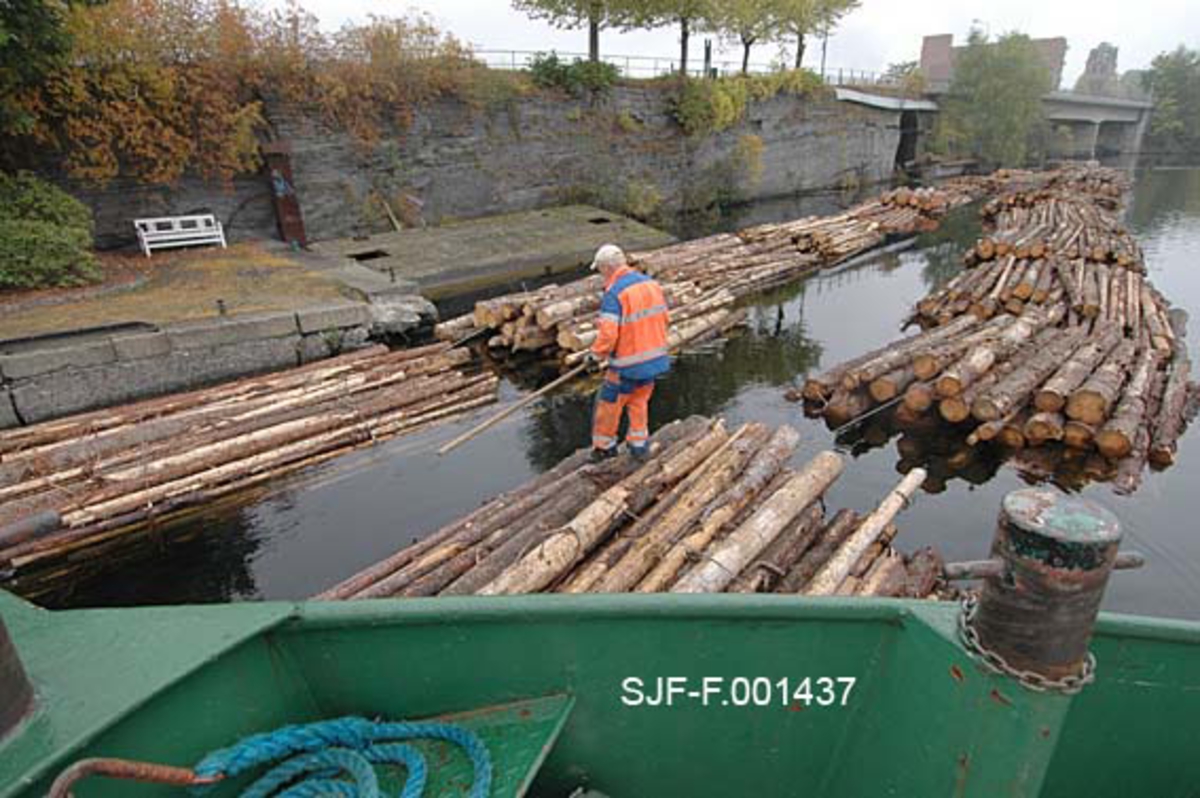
column 466, row 339
column 508, row 411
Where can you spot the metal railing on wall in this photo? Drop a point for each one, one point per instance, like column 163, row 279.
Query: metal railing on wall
column 645, row 66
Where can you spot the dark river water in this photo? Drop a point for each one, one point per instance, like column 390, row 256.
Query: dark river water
column 308, row 532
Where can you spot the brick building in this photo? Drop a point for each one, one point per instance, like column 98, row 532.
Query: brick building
column 938, row 53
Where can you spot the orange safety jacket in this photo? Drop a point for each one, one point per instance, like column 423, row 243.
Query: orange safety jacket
column 632, row 326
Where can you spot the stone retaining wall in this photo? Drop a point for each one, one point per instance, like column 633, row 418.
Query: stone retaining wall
column 456, row 161
column 43, row 383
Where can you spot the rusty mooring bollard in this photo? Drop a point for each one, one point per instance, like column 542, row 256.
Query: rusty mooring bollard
column 1037, row 613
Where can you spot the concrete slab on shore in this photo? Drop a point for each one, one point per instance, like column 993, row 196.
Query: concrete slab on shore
column 188, row 320
column 465, row 255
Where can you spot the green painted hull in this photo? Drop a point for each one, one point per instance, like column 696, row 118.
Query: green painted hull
column 170, row 684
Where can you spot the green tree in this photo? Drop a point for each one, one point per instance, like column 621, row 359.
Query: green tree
column 33, row 43
column 592, row 14
column 687, row 14
column 992, row 109
column 906, row 76
column 799, row 18
column 1174, row 80
column 746, row 22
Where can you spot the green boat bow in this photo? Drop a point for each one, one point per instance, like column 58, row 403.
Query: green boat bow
column 923, row 717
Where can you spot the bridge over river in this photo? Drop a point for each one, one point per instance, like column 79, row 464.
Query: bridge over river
column 1094, row 125
column 1098, row 125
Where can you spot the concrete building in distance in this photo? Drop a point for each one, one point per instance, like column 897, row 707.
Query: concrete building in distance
column 938, row 53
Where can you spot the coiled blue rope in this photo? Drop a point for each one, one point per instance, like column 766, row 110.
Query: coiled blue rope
column 315, row 754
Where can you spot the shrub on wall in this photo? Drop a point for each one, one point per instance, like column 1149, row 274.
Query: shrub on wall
column 576, row 78
column 643, row 200
column 748, row 154
column 45, row 235
column 702, row 106
column 710, row 106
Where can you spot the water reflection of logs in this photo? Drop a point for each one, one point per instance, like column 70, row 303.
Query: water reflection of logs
column 711, row 511
column 77, row 482
column 704, row 278
column 1052, row 336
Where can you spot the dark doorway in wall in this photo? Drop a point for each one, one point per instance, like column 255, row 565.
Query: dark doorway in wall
column 910, row 131
column 374, row 254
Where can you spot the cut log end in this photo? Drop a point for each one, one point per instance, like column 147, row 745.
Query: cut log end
column 1088, row 407
column 954, row 409
column 1049, row 401
column 1113, row 444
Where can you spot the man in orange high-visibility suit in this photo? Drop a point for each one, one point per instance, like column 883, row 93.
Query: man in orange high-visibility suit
column 632, row 336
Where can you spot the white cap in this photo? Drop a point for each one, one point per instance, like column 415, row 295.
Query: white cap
column 609, row 255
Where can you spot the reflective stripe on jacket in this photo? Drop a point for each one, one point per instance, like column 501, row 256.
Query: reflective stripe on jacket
column 632, row 326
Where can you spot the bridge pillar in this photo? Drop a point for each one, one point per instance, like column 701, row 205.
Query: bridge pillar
column 1139, row 134
column 1118, row 138
column 1084, row 136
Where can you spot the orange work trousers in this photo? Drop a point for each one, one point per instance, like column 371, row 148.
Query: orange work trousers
column 615, row 397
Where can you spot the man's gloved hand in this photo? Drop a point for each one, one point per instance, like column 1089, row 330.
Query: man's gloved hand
column 594, row 363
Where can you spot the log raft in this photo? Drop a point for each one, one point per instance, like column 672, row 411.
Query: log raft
column 704, row 278
column 105, row 474
column 713, row 510
column 1052, row 336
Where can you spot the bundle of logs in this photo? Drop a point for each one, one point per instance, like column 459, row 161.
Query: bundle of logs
column 562, row 318
column 77, row 482
column 1053, row 335
column 713, row 510
column 705, row 277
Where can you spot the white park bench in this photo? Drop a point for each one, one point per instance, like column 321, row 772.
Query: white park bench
column 178, row 231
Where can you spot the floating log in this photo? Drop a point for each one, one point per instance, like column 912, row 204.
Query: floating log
column 1116, row 438
column 1044, row 426
column 705, row 497
column 838, row 568
column 555, row 556
column 845, row 406
column 699, row 277
column 956, row 409
column 889, row 386
column 1092, row 401
column 1129, row 471
column 102, row 473
column 900, row 354
column 1174, row 411
column 516, row 502
column 745, row 543
column 887, row 577
column 919, row 397
column 1052, row 396
column 1079, row 434
column 767, row 463
column 929, row 363
column 1040, row 360
column 1038, row 340
column 924, row 573
column 828, row 541
column 766, row 572
column 689, row 499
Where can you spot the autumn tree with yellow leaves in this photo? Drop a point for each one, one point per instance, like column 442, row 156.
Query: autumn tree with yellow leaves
column 154, row 89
